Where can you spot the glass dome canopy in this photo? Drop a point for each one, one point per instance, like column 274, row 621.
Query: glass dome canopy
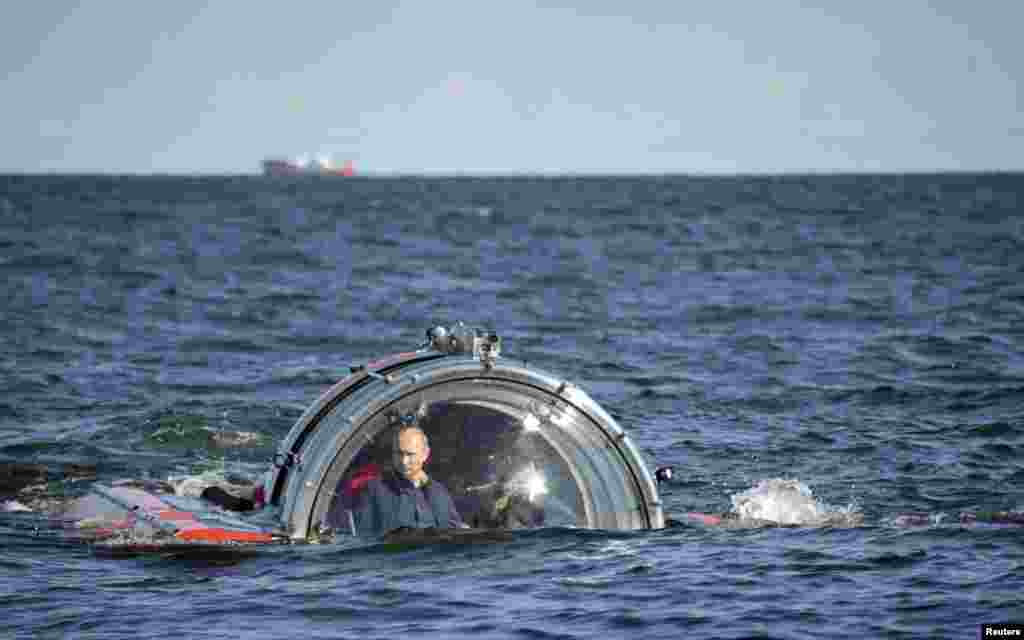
column 514, row 445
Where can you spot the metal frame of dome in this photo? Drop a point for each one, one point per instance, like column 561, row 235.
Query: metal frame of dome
column 462, row 366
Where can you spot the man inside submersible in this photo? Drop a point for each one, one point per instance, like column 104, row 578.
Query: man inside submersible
column 405, row 496
column 406, row 499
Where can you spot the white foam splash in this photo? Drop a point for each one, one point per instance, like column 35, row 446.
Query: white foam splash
column 789, row 502
column 12, row 505
column 192, row 486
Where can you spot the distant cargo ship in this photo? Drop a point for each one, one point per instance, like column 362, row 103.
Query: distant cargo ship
column 306, row 167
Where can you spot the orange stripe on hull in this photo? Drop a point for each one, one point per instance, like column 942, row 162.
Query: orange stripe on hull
column 171, row 514
column 705, row 518
column 218, row 535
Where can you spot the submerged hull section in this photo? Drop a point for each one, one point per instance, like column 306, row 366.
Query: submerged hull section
column 132, row 519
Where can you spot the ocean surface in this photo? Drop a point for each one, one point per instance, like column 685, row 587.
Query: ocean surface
column 863, row 335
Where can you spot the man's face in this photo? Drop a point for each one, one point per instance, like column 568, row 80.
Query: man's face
column 410, row 454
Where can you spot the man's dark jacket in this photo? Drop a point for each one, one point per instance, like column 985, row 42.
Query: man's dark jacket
column 391, row 501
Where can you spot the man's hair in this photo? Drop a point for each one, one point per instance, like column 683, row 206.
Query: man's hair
column 411, row 427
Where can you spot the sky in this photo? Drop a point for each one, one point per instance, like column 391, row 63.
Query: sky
column 512, row 87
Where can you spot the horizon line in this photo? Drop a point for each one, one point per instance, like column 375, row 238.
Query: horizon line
column 515, row 174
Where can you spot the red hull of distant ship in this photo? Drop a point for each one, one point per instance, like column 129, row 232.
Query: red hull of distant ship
column 289, row 168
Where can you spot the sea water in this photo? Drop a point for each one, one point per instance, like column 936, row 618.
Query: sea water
column 802, row 350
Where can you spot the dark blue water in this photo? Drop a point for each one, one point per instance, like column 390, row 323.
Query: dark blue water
column 863, row 334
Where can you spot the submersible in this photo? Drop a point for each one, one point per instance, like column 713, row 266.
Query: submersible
column 499, row 429
column 516, row 446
